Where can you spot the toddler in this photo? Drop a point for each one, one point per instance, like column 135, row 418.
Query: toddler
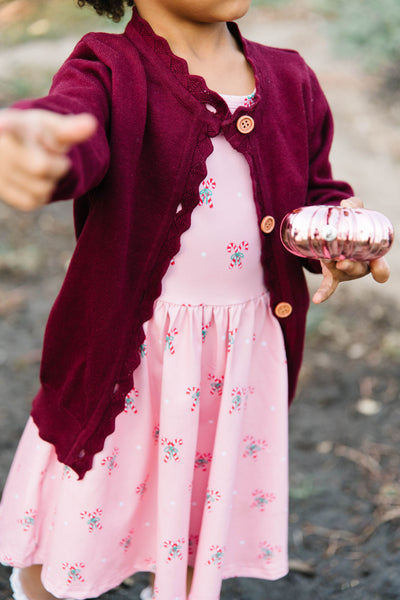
column 158, row 439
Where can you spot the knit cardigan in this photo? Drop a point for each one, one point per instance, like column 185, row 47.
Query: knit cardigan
column 135, row 185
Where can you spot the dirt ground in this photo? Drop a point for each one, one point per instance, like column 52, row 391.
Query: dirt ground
column 345, row 422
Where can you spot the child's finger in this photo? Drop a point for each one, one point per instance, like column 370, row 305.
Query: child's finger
column 20, row 198
column 325, row 291
column 28, row 173
column 328, row 284
column 32, row 161
column 40, row 189
column 380, row 270
column 353, row 202
column 352, row 268
column 67, row 130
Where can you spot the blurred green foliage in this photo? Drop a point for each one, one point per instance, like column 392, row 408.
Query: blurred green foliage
column 25, row 20
column 368, row 28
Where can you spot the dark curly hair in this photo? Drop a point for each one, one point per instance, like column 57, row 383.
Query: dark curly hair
column 114, row 9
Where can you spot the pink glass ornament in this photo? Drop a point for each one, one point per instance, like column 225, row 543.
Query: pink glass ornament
column 336, row 233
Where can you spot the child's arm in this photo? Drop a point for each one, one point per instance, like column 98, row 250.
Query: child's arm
column 345, row 270
column 33, row 153
column 324, row 189
column 75, row 162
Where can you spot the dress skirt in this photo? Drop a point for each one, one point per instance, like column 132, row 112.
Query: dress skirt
column 196, row 472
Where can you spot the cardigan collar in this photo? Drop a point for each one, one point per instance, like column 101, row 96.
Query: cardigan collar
column 158, row 50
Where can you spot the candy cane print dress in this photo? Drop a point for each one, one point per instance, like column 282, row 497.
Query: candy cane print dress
column 196, row 470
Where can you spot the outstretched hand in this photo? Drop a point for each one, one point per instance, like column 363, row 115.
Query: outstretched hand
column 33, row 153
column 344, row 270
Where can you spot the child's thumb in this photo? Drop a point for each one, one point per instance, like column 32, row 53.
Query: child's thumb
column 67, row 130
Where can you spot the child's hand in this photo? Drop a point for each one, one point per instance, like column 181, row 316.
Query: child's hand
column 344, row 270
column 33, row 153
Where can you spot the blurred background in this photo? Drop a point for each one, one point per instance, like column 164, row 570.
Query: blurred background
column 345, row 422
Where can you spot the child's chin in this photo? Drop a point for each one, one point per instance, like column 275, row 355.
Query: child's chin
column 231, row 10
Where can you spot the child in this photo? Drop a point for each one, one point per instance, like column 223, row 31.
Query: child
column 158, row 439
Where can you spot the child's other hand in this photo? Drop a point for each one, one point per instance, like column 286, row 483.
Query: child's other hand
column 345, row 270
column 33, row 153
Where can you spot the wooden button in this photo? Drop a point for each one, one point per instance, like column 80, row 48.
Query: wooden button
column 283, row 310
column 268, row 224
column 245, row 124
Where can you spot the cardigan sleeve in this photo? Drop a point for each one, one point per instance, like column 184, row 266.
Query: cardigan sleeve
column 322, row 187
column 83, row 84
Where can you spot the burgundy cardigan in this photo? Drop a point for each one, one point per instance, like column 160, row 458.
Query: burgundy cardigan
column 146, row 158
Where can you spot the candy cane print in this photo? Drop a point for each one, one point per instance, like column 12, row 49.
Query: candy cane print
column 253, row 447
column 74, row 571
column 130, row 401
column 175, row 549
column 194, row 393
column 170, row 337
column 217, row 556
column 171, row 451
column 262, row 499
column 212, row 496
column 231, row 338
column 93, row 519
column 217, row 384
column 206, row 192
column 236, row 252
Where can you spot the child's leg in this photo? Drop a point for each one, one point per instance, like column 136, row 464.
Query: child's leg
column 32, row 584
column 189, row 580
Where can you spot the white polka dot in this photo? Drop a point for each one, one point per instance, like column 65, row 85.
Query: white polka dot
column 224, row 453
column 147, row 524
column 194, row 503
column 242, row 542
column 16, row 496
column 240, row 195
column 121, row 503
column 172, row 503
column 53, row 477
column 211, row 422
column 103, row 560
column 283, row 459
column 138, row 447
column 166, row 401
column 263, row 343
column 203, row 254
column 273, row 408
column 66, row 523
column 223, row 337
column 248, row 341
column 234, row 492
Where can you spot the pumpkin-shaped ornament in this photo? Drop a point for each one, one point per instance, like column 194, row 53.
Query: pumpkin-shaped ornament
column 336, row 233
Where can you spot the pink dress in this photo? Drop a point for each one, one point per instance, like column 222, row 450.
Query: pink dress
column 196, row 470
